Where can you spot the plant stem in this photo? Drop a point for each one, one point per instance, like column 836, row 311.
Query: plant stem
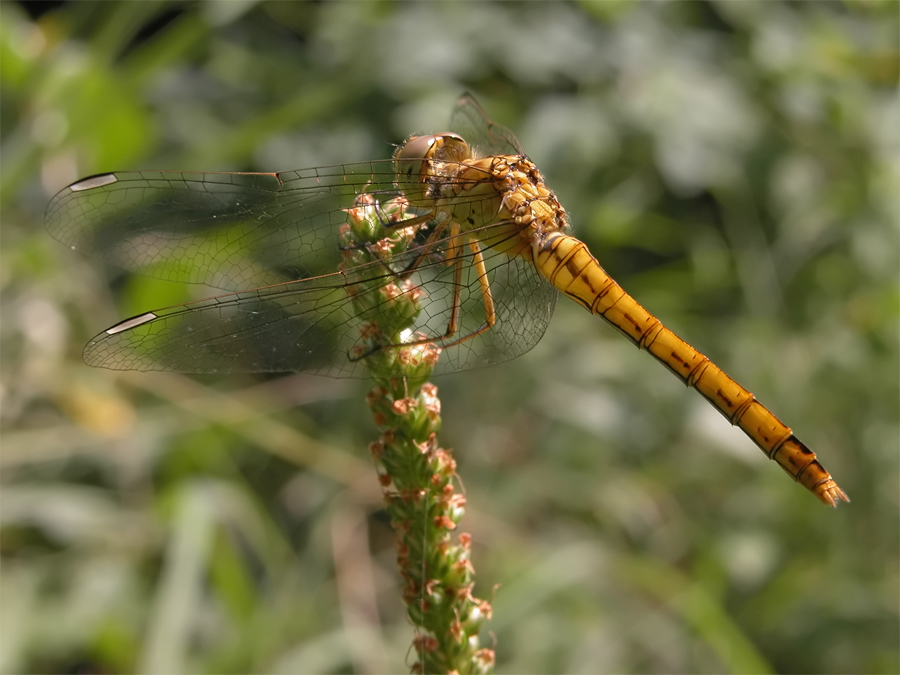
column 416, row 474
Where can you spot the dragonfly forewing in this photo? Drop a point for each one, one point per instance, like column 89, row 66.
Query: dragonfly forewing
column 234, row 231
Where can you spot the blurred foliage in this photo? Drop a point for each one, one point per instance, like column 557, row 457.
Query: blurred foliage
column 733, row 164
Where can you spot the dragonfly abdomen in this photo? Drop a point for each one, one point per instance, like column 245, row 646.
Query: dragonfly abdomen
column 569, row 266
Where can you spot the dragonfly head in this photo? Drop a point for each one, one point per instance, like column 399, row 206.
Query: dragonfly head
column 412, row 159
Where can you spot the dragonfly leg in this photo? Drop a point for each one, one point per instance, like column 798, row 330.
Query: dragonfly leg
column 490, row 313
column 369, row 246
column 422, row 252
column 452, row 257
column 455, row 258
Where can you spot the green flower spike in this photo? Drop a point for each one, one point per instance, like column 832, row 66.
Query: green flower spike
column 416, row 474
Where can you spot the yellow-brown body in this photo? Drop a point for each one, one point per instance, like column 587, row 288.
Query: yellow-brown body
column 503, row 203
column 570, row 267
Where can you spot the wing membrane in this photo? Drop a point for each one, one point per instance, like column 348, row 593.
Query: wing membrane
column 309, row 325
column 470, row 121
column 229, row 230
column 274, row 239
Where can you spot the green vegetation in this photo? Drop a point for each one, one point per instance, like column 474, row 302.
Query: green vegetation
column 734, row 165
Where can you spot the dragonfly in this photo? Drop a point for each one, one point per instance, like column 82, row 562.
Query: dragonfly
column 489, row 250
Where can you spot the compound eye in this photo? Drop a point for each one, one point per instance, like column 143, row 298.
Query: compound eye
column 450, row 147
column 409, row 157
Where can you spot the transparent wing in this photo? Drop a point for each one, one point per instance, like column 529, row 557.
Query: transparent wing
column 275, row 239
column 233, row 231
column 470, row 121
column 310, row 325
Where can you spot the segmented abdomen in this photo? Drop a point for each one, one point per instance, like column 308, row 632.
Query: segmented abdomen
column 569, row 266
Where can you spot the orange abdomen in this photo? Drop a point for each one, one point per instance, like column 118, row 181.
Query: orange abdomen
column 569, row 266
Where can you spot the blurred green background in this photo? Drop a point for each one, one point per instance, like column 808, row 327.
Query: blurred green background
column 734, row 165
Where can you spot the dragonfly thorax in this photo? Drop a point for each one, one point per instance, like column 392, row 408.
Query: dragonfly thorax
column 527, row 205
column 501, row 200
